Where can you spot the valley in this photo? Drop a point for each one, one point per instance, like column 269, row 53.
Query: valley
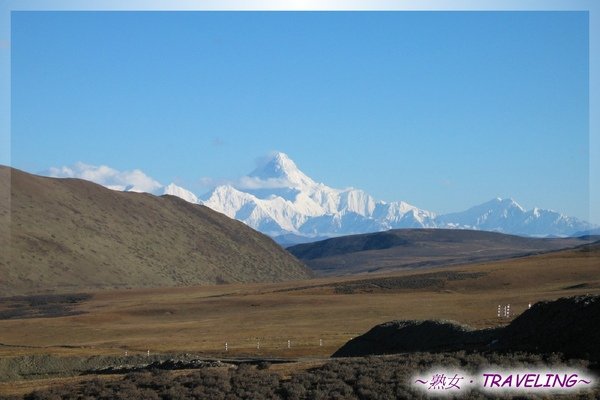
column 102, row 284
column 200, row 320
column 292, row 201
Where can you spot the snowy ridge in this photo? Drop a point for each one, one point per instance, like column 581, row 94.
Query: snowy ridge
column 507, row 216
column 180, row 192
column 277, row 198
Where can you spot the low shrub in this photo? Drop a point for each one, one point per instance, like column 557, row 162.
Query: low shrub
column 365, row 378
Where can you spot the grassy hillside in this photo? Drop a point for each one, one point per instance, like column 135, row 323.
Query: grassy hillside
column 70, row 235
column 409, row 248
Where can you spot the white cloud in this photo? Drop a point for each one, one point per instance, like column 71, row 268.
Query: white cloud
column 245, row 183
column 134, row 180
column 207, row 182
column 251, row 182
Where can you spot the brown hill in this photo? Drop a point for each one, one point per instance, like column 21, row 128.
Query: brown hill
column 411, row 248
column 69, row 235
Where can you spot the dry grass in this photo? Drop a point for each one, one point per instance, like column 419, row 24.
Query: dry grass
column 200, row 320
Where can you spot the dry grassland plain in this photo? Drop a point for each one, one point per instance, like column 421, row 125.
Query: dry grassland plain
column 259, row 319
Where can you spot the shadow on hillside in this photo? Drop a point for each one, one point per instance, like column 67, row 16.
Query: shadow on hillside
column 41, row 306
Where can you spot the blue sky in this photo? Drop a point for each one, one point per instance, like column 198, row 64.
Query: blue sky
column 441, row 109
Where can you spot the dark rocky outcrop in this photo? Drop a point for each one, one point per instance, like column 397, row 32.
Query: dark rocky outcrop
column 413, row 336
column 568, row 325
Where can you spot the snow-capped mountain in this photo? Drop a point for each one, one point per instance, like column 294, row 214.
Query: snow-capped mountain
column 280, row 199
column 506, row 215
column 180, row 192
column 277, row 198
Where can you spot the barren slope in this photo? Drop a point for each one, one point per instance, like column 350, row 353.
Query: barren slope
column 71, row 235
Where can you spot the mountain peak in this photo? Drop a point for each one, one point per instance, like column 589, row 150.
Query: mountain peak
column 281, row 157
column 506, row 203
column 275, row 165
column 279, row 166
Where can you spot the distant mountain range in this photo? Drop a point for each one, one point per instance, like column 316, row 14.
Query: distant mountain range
column 280, row 200
column 68, row 235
